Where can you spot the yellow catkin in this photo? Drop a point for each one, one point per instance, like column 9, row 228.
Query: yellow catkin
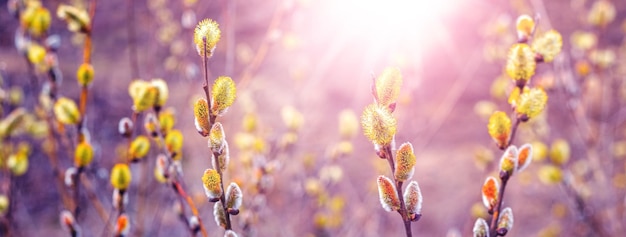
column 550, row 174
column 520, row 64
column 387, row 194
column 217, row 138
column 506, row 219
column 601, row 14
column 413, row 198
column 36, row 53
column 174, row 141
column 234, row 196
column 499, row 128
column 209, row 30
column 211, row 182
column 167, row 119
column 145, row 98
column 83, row 154
column 379, row 126
column 120, row 176
column 481, row 229
column 405, row 160
column 139, row 147
column 77, row 19
column 66, row 111
column 548, row 45
column 559, row 152
column 525, row 157
column 85, row 74
column 525, row 26
column 201, row 117
column 223, row 93
column 508, row 161
column 162, row 91
column 388, row 86
column 490, row 192
column 532, row 103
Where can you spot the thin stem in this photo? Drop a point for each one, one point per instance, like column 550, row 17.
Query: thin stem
column 513, row 131
column 91, row 194
column 493, row 228
column 178, row 184
column 403, row 211
column 205, row 66
column 223, row 196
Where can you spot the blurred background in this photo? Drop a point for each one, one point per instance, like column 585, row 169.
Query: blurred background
column 303, row 71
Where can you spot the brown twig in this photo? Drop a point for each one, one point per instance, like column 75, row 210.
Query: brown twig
column 403, row 211
column 493, row 227
column 223, row 196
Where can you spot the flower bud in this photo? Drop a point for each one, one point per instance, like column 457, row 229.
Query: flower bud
column 4, row 204
column 120, row 199
column 234, row 196
column 506, row 219
column 201, row 117
column 230, row 233
column 145, row 98
column 85, row 74
column 481, row 229
column 194, row 224
column 223, row 159
column 525, row 26
column 387, row 194
column 120, row 176
column 167, row 119
column 219, row 214
column 379, row 126
column 550, row 174
column 206, row 35
column 160, row 169
column 405, row 160
column 35, row 53
column 559, row 152
column 69, row 176
column 525, row 157
column 223, row 95
column 520, row 64
column 490, row 191
column 508, row 161
column 77, row 19
column 122, row 226
column 532, row 103
column 292, row 118
column 388, row 86
column 174, row 141
column 125, row 127
column 150, row 124
column 211, row 182
column 68, row 223
column 162, row 91
column 499, row 128
column 601, row 14
column 11, row 122
column 413, row 198
column 66, row 111
column 217, row 138
column 18, row 163
column 83, row 155
column 37, row 19
column 139, row 148
column 548, row 45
